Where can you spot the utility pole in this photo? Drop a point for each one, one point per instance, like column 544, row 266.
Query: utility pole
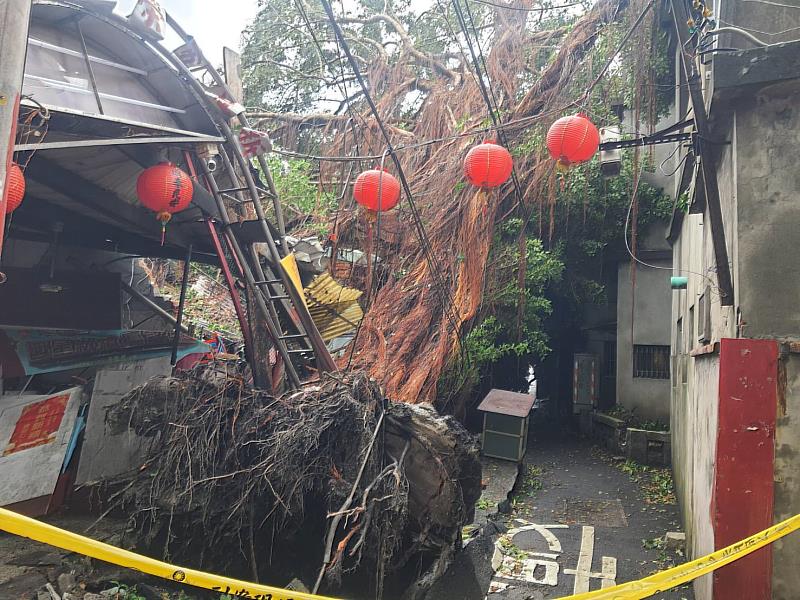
column 14, row 21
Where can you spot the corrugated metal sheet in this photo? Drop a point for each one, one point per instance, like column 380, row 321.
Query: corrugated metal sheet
column 333, row 307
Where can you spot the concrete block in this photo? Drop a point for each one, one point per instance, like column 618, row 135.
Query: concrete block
column 66, row 582
column 653, row 448
column 675, row 540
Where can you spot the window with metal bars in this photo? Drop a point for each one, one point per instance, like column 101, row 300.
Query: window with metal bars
column 651, row 362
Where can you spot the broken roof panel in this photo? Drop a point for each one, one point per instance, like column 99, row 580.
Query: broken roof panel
column 504, row 402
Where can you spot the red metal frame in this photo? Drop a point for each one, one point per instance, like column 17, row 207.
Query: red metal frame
column 229, row 279
column 743, row 483
column 244, row 325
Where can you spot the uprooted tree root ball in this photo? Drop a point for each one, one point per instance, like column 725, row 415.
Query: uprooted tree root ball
column 330, row 484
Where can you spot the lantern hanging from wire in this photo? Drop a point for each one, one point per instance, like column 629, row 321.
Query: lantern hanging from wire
column 377, row 190
column 165, row 190
column 488, row 165
column 572, row 140
column 16, row 188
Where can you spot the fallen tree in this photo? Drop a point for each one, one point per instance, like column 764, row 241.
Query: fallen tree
column 331, row 484
column 437, row 279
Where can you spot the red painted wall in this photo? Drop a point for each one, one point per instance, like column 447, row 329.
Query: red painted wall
column 743, row 486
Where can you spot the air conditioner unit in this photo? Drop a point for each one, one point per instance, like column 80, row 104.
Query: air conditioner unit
column 610, row 160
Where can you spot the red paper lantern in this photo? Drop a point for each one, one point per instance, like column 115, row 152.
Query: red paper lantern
column 16, row 188
column 488, row 165
column 573, row 139
column 369, row 183
column 165, row 190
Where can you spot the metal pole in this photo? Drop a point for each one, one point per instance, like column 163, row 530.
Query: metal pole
column 237, row 303
column 218, row 79
column 155, row 307
column 181, row 304
column 14, row 22
column 272, row 328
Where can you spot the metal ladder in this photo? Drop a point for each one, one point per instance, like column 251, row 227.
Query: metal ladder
column 277, row 299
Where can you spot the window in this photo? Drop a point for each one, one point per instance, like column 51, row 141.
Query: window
column 704, row 317
column 651, row 362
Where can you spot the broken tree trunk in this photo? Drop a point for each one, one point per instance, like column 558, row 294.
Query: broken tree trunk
column 331, row 484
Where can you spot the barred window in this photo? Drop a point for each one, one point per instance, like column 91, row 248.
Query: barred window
column 651, row 362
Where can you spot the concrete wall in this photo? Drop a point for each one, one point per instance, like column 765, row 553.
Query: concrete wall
column 768, row 210
column 701, row 440
column 759, row 181
column 786, row 552
column 650, row 398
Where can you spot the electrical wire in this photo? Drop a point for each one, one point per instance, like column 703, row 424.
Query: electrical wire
column 768, row 3
column 447, row 302
column 751, row 30
column 523, row 9
column 640, row 261
column 472, row 133
column 486, row 90
column 619, row 48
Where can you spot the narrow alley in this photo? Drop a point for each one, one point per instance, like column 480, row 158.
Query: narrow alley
column 399, row 300
column 580, row 519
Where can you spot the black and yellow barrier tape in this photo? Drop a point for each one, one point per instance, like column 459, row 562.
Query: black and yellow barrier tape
column 66, row 540
column 634, row 590
column 665, row 580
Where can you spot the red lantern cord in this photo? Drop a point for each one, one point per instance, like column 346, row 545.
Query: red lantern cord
column 488, row 165
column 16, row 188
column 572, row 140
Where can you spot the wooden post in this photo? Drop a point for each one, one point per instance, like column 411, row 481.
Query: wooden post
column 14, row 21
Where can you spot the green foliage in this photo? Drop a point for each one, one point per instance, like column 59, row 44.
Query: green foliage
column 297, row 190
column 657, row 484
column 484, row 504
column 502, row 332
column 632, row 420
column 126, row 592
column 284, row 71
column 532, row 481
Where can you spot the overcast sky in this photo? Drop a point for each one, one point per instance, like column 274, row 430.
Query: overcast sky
column 214, row 23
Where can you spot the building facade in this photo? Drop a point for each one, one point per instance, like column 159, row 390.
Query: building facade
column 735, row 404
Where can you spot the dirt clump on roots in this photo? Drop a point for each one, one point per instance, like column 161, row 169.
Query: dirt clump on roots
column 331, row 484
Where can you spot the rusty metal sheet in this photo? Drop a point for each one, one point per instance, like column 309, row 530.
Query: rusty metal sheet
column 504, row 402
column 333, row 307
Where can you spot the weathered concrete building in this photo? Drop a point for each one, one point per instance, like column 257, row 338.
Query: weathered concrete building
column 735, row 409
column 643, row 365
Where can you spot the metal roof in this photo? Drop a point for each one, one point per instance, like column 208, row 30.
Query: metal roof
column 333, row 307
column 504, row 402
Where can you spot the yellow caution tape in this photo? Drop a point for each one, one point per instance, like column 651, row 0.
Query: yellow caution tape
column 665, row 580
column 66, row 540
column 633, row 590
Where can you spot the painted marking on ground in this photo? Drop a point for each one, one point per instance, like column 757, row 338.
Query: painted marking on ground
column 512, row 563
column 583, row 571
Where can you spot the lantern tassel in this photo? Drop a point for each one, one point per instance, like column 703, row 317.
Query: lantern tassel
column 164, row 217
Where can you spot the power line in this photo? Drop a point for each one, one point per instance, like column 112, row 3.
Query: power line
column 447, row 303
column 524, row 9
column 488, row 95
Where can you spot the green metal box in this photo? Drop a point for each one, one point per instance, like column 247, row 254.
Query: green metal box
column 505, row 424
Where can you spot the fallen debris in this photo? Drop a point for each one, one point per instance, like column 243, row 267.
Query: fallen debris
column 330, row 485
